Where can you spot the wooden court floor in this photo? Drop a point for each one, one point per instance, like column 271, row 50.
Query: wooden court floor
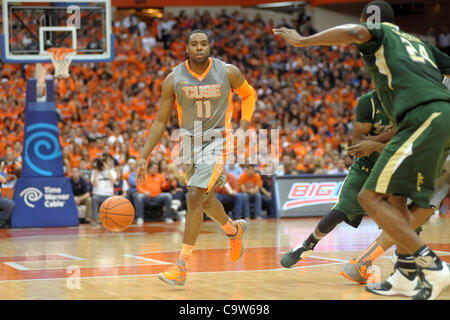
column 91, row 263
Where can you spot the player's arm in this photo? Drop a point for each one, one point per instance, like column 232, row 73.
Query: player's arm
column 158, row 126
column 442, row 60
column 361, row 130
column 340, row 35
column 384, row 137
column 361, row 146
column 248, row 95
column 365, row 148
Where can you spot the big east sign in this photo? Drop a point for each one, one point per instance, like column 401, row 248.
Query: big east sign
column 309, row 194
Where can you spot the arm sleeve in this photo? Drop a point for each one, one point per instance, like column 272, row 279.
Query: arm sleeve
column 249, row 97
column 442, row 60
column 364, row 109
column 371, row 46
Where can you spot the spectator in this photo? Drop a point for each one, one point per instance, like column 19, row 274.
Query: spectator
column 12, row 171
column 340, row 168
column 230, row 197
column 286, row 166
column 234, row 169
column 6, row 205
column 150, row 194
column 81, row 194
column 119, row 185
column 444, row 40
column 148, row 42
column 178, row 189
column 250, row 184
column 102, row 179
column 266, row 193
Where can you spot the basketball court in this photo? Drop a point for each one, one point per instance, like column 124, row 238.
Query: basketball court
column 92, row 263
column 51, row 258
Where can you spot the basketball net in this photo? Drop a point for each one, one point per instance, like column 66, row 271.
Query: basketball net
column 61, row 59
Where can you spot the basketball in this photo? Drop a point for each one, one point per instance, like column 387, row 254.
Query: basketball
column 116, row 213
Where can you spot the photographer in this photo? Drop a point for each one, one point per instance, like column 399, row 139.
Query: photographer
column 102, row 179
column 6, row 205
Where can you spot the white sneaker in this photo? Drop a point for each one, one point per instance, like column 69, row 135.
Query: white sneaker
column 397, row 284
column 175, row 205
column 168, row 220
column 140, row 221
column 433, row 282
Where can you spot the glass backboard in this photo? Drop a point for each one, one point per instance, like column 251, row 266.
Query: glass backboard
column 31, row 27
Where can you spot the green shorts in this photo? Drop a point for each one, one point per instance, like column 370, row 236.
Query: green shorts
column 411, row 162
column 348, row 195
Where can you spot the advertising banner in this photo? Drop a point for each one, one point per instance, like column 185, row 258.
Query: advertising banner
column 306, row 195
column 43, row 194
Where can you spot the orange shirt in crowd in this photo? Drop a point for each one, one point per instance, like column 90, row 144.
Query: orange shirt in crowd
column 153, row 184
column 249, row 182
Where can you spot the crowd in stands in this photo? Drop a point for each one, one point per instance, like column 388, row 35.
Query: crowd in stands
column 106, row 110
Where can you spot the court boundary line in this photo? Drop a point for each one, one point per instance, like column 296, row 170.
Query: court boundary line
column 20, row 267
column 153, row 275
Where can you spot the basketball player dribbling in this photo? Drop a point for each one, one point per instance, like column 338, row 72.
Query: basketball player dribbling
column 201, row 89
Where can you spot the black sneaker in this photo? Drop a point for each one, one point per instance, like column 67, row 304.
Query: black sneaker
column 293, row 256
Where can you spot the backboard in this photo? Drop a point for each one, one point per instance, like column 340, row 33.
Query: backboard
column 33, row 26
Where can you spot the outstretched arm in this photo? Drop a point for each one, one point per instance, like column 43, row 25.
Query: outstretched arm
column 158, row 127
column 343, row 34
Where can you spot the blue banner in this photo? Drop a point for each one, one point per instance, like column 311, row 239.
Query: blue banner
column 44, row 202
column 43, row 195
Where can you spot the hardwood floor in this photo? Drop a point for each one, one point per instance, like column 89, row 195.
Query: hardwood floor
column 91, row 263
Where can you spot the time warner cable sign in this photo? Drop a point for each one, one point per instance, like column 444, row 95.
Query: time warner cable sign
column 50, row 197
column 43, row 194
column 306, row 195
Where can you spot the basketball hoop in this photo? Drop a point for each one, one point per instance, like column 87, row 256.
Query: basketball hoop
column 61, row 59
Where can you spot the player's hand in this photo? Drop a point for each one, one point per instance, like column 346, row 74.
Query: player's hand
column 141, row 171
column 362, row 149
column 289, row 35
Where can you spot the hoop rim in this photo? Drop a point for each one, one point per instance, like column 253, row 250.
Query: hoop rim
column 60, row 53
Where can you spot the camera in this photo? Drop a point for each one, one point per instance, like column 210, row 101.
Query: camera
column 99, row 163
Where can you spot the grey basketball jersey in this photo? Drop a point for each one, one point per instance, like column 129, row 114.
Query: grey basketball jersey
column 203, row 101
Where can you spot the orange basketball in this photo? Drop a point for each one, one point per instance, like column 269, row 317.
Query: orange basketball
column 116, row 213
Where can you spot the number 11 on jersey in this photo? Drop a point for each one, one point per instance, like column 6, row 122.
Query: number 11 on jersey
column 203, row 105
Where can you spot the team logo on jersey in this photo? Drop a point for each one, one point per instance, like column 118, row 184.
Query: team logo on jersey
column 419, row 181
column 379, row 128
column 202, row 91
column 309, row 194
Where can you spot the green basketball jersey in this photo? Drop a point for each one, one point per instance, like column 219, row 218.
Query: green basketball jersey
column 370, row 110
column 407, row 72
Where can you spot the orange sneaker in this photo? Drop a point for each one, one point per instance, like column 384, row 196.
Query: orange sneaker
column 357, row 271
column 236, row 248
column 175, row 275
